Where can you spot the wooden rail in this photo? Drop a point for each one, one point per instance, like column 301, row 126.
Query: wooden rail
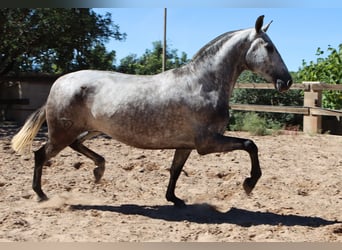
column 312, row 111
column 269, row 108
column 302, row 86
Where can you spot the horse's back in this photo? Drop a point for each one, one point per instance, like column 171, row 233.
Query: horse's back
column 89, row 85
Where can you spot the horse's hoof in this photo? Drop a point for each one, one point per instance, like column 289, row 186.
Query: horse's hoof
column 247, row 186
column 42, row 198
column 179, row 203
column 98, row 173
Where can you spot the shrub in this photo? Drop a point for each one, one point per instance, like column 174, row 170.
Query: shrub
column 254, row 124
column 326, row 69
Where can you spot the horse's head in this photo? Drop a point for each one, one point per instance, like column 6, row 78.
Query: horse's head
column 263, row 58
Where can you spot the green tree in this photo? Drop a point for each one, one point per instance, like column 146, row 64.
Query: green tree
column 55, row 40
column 325, row 69
column 151, row 61
column 128, row 64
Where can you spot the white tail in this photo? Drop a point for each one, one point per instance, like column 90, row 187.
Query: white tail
column 30, row 129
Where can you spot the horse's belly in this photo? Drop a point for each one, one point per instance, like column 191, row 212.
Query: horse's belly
column 148, row 140
column 145, row 143
column 149, row 133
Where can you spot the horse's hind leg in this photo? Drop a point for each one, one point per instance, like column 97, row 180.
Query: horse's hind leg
column 53, row 147
column 39, row 160
column 97, row 159
column 41, row 156
column 179, row 159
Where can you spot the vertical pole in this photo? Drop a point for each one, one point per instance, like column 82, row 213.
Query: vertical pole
column 164, row 44
column 312, row 124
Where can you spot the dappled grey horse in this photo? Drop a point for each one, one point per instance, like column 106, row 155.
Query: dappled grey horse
column 182, row 109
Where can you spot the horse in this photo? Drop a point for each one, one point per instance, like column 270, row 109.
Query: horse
column 183, row 109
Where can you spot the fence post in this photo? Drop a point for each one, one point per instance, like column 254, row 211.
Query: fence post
column 312, row 124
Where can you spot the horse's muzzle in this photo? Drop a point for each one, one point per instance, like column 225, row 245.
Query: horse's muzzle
column 282, row 86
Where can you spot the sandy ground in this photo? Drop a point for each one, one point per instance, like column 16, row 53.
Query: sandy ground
column 298, row 198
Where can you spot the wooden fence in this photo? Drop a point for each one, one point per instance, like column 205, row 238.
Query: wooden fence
column 312, row 110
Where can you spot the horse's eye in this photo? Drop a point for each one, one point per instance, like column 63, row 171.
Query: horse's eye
column 269, row 47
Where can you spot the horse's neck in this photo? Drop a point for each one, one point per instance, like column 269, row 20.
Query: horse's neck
column 223, row 67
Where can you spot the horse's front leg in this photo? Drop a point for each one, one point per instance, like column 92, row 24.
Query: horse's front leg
column 179, row 159
column 211, row 143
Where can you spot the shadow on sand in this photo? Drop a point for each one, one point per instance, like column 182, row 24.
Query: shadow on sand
column 204, row 213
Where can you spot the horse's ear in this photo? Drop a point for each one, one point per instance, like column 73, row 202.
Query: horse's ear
column 258, row 24
column 265, row 28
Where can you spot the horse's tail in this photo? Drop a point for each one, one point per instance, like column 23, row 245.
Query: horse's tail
column 30, row 129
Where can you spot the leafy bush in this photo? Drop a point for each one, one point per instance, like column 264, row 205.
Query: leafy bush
column 328, row 70
column 253, row 123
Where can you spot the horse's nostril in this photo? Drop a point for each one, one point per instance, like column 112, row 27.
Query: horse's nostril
column 289, row 83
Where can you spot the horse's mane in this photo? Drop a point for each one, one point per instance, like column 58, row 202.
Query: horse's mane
column 214, row 45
